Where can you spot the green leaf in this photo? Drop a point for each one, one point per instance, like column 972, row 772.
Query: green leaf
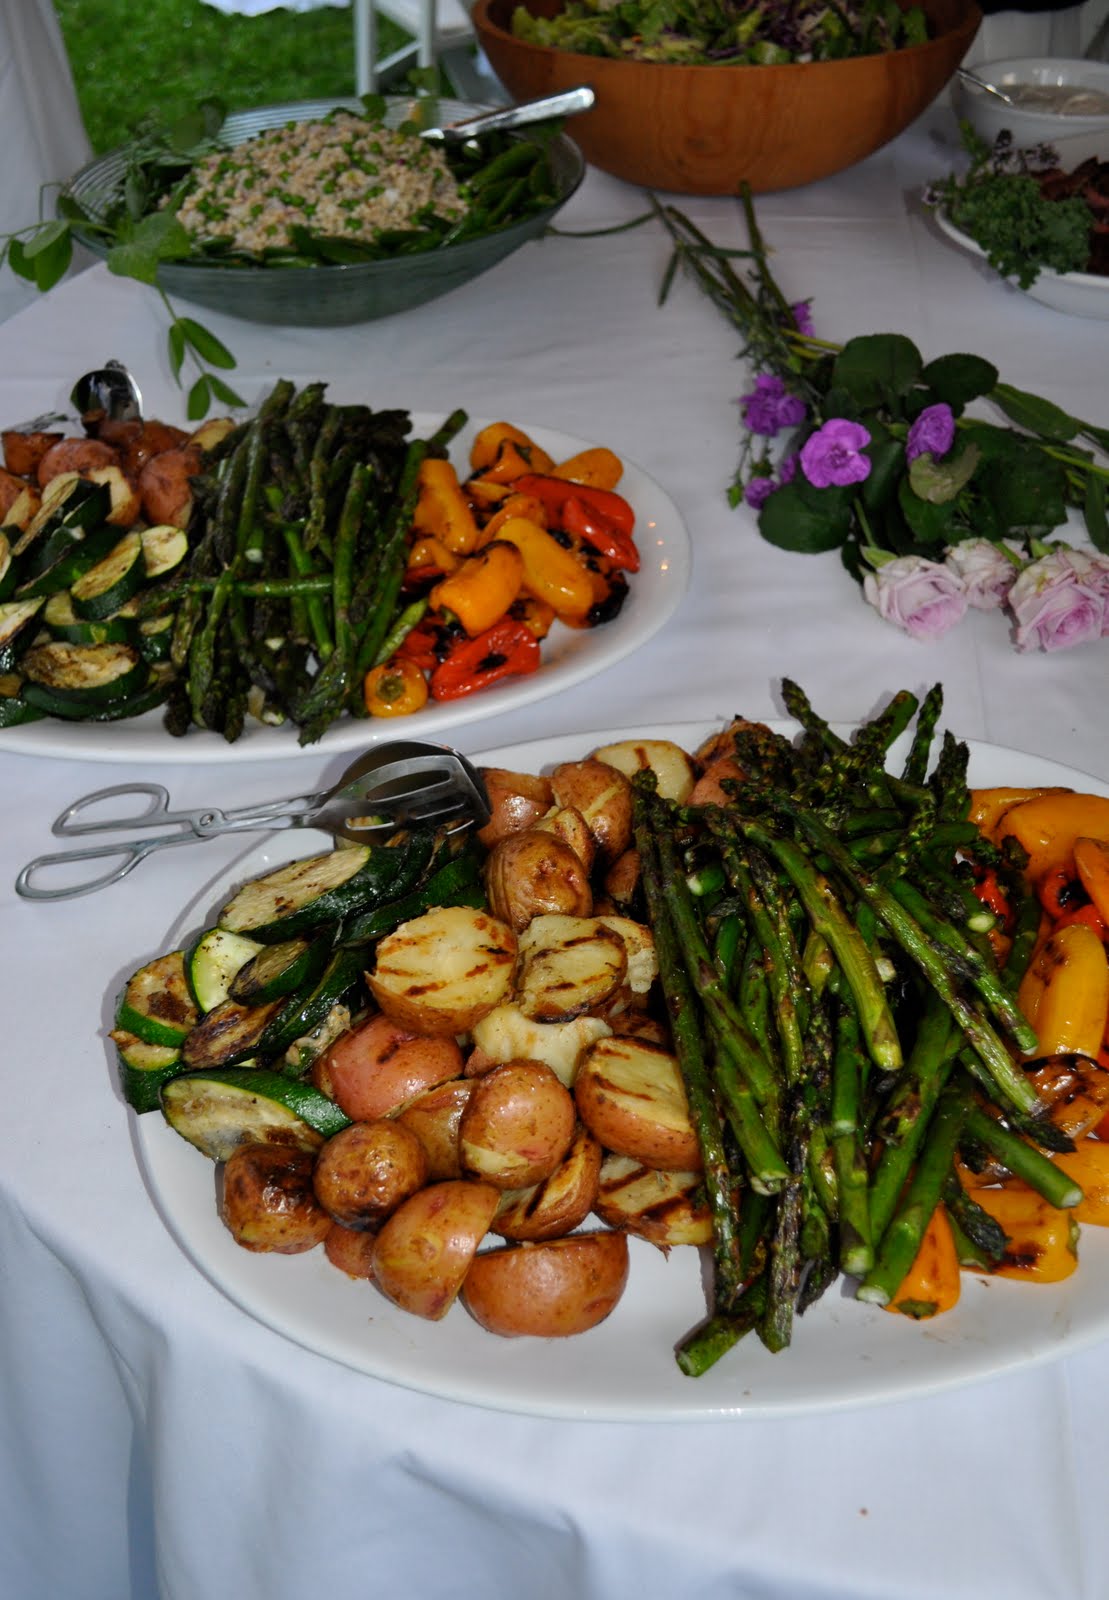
column 176, row 348
column 941, row 481
column 878, row 368
column 17, row 260
column 1020, row 490
column 133, row 260
column 1093, row 509
column 200, row 398
column 959, row 379
column 45, row 237
column 793, row 518
column 224, row 392
column 1034, row 413
column 887, row 458
column 929, row 521
column 206, row 345
column 47, row 265
column 162, row 232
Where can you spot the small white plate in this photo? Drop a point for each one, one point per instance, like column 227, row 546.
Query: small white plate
column 569, row 655
column 844, row 1353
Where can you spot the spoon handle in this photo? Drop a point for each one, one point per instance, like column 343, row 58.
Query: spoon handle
column 564, row 104
column 965, row 74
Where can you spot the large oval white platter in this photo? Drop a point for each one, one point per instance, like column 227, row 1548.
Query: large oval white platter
column 569, row 655
column 844, row 1354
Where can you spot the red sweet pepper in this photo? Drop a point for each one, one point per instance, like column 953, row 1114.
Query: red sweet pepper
column 507, row 649
column 553, row 494
column 424, row 644
column 599, row 531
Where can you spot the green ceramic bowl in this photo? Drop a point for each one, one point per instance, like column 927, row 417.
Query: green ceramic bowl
column 329, row 296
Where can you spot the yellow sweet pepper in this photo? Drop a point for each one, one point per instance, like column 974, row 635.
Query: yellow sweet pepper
column 932, row 1284
column 989, row 806
column 1088, row 1165
column 1042, row 1240
column 598, row 468
column 551, row 572
column 1048, row 826
column 1065, row 991
column 489, row 440
column 480, row 590
column 442, row 510
column 1091, row 860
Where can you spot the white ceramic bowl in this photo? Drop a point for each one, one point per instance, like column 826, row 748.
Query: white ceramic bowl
column 1080, row 294
column 1030, row 127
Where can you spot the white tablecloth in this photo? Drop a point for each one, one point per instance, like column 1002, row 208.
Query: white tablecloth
column 155, row 1440
column 41, row 132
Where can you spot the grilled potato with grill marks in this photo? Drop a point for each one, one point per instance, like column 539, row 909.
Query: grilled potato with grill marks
column 442, row 972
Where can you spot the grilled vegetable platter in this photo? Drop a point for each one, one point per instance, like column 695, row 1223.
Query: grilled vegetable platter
column 315, row 565
column 806, row 1008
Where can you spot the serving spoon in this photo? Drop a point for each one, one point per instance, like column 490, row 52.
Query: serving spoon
column 567, row 103
column 109, row 393
column 972, row 78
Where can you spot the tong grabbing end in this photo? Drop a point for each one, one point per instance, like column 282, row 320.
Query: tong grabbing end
column 405, row 783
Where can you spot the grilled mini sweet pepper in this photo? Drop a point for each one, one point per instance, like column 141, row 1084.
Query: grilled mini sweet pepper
column 507, row 649
column 442, row 510
column 482, row 587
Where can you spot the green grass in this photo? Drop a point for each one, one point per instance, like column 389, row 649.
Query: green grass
column 133, row 57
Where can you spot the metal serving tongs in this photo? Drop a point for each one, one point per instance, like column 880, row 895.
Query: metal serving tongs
column 403, row 783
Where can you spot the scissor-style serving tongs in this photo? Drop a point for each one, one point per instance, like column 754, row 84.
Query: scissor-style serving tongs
column 404, row 783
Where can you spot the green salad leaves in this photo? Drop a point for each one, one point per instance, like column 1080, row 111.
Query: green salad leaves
column 722, row 33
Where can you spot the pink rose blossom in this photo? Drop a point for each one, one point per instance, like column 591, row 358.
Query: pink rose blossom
column 1058, row 601
column 985, row 570
column 924, row 597
column 833, row 454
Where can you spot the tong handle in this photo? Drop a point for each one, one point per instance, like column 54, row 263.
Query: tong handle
column 157, row 810
column 129, row 853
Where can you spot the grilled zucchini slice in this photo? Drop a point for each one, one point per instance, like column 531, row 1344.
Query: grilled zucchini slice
column 228, row 1035
column 163, row 548
column 278, row 970
column 112, row 581
column 86, row 674
column 219, row 1111
column 18, row 627
column 299, row 897
column 156, row 1005
column 63, row 622
column 212, row 964
column 144, row 1069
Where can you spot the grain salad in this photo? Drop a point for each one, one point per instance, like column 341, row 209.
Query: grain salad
column 341, row 177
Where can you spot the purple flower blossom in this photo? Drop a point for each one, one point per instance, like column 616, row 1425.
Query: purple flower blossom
column 984, row 569
column 933, row 433
column 924, row 597
column 833, row 454
column 787, row 468
column 770, row 407
column 758, row 491
column 1058, row 601
column 802, row 316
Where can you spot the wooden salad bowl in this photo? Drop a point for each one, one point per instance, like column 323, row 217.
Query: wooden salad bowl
column 703, row 129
